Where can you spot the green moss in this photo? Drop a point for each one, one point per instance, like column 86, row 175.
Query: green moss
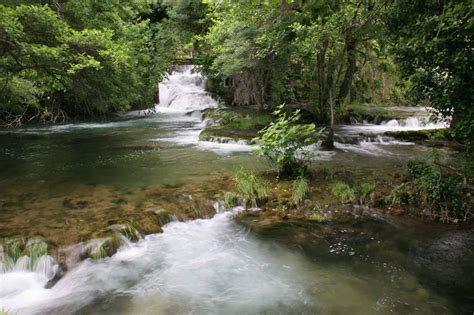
column 317, row 216
column 226, row 135
column 358, row 113
column 238, row 119
column 420, row 135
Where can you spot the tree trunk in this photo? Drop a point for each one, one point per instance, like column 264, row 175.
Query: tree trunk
column 328, row 143
column 350, row 71
column 321, row 82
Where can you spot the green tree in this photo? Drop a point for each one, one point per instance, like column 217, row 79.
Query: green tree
column 80, row 58
column 248, row 46
column 433, row 41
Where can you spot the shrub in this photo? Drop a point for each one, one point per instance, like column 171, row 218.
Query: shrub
column 252, row 188
column 300, row 189
column 343, row 192
column 284, row 142
column 402, row 195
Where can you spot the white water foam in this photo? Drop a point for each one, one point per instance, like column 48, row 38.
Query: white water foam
column 408, row 124
column 201, row 266
column 184, row 91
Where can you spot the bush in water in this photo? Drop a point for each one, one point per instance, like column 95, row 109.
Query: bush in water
column 284, row 142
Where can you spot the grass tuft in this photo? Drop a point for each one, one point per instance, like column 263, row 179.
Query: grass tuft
column 300, row 189
column 251, row 187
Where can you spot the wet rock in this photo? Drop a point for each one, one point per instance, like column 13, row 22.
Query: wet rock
column 162, row 215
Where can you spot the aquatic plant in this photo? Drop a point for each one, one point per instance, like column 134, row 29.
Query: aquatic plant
column 317, row 214
column 230, row 200
column 131, row 233
column 300, row 189
column 35, row 249
column 251, row 187
column 437, row 192
column 100, row 252
column 13, row 249
column 366, row 192
column 401, row 195
column 343, row 192
column 328, row 171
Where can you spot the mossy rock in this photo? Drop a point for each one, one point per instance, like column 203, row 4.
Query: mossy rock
column 222, row 135
column 238, row 118
column 371, row 114
column 163, row 216
column 420, row 135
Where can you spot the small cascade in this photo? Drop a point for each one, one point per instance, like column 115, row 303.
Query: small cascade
column 412, row 123
column 25, row 266
column 46, row 265
column 184, row 91
column 182, row 97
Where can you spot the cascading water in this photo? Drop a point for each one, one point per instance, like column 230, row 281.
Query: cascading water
column 367, row 139
column 210, row 266
column 184, row 91
column 201, row 266
column 182, row 96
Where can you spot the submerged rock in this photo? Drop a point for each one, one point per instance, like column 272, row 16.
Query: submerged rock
column 446, row 263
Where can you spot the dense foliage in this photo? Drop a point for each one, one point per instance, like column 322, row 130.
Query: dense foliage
column 72, row 57
column 435, row 191
column 82, row 57
column 317, row 55
column 284, row 142
column 433, row 41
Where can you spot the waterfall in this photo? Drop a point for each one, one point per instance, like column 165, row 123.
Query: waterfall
column 182, row 97
column 184, row 91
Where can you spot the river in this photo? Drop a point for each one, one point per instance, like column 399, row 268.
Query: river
column 60, row 182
